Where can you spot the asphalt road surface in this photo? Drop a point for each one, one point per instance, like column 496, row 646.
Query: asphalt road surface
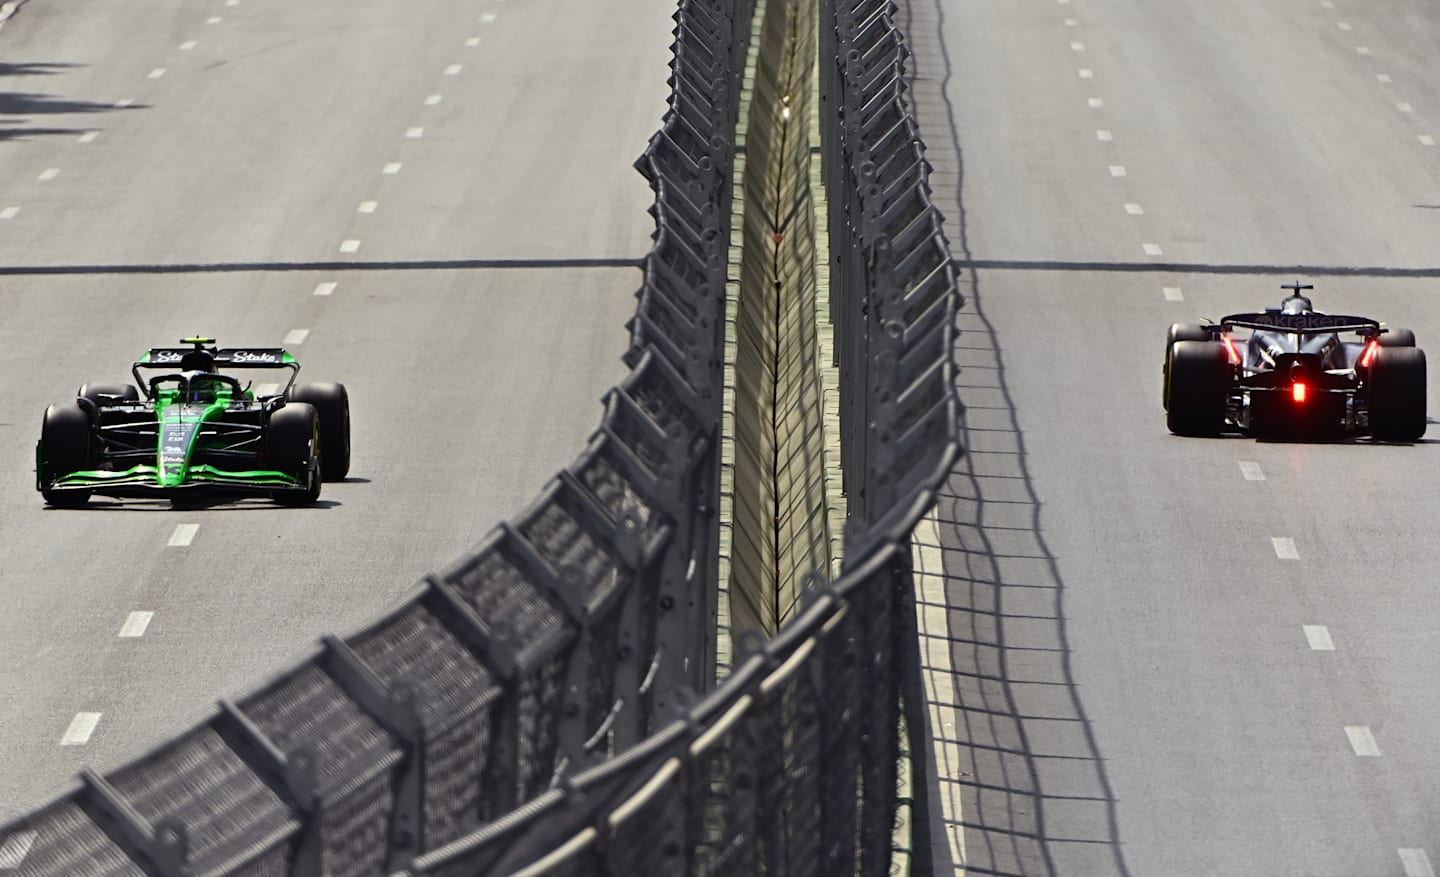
column 469, row 163
column 1174, row 655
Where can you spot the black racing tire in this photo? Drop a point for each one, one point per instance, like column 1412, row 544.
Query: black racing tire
column 1397, row 338
column 332, row 401
column 93, row 392
column 1199, row 380
column 1178, row 332
column 65, row 447
column 292, row 444
column 1397, row 394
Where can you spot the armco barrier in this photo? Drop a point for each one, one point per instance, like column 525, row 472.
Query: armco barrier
column 567, row 635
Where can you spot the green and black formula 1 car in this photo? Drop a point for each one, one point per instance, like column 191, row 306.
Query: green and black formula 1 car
column 193, row 429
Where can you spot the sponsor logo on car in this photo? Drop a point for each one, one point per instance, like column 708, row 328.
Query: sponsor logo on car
column 254, row 356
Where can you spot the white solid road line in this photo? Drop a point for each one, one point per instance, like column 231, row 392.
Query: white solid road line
column 1362, row 741
column 349, row 246
column 1416, row 863
column 1173, row 293
column 296, row 336
column 1134, row 209
column 367, row 206
column 9, row 212
column 87, row 137
column 1284, row 547
column 184, row 534
column 325, row 288
column 135, row 624
column 1251, row 471
column 1152, row 249
column 415, row 133
column 16, row 847
column 1318, row 636
column 81, row 727
column 48, row 174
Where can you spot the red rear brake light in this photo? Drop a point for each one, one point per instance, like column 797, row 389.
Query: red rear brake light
column 1297, row 391
column 1369, row 353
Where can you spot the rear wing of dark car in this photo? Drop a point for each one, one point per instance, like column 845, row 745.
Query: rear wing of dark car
column 1309, row 323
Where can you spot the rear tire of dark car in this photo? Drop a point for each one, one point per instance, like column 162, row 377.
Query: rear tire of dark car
column 292, row 446
column 332, row 401
column 1397, row 338
column 1397, row 394
column 1179, row 332
column 64, row 448
column 93, row 392
column 1198, row 386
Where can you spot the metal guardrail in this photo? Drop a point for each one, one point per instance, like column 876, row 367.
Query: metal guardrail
column 511, row 716
column 565, row 636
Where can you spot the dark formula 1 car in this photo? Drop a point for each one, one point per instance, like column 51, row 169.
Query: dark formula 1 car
column 1294, row 371
column 192, row 429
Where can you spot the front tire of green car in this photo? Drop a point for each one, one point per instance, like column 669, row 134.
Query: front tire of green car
column 293, row 447
column 64, row 448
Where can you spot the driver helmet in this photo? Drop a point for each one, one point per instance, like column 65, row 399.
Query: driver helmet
column 1296, row 304
column 201, row 388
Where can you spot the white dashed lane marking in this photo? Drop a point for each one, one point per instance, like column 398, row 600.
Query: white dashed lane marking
column 1173, row 293
column 1152, row 249
column 1086, row 73
column 17, row 846
column 1427, row 140
column 1096, row 103
column 433, row 99
column 87, row 137
column 349, row 246
column 1284, row 547
column 9, row 212
column 1384, row 77
column 81, row 727
column 454, row 69
column 156, row 73
column 415, row 133
column 1134, row 209
column 1251, row 470
column 1404, row 107
column 1104, row 136
column 214, row 19
column 472, row 42
column 184, row 534
column 1362, row 50
column 367, row 206
column 1415, row 862
column 1318, row 636
column 325, row 288
column 1362, row 741
column 48, row 174
column 135, row 624
column 392, row 168
column 1117, row 170
column 232, row 2
column 1077, row 46
column 1072, row 22
column 487, row 18
column 1344, row 25
column 188, row 45
column 122, row 104
column 296, row 336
